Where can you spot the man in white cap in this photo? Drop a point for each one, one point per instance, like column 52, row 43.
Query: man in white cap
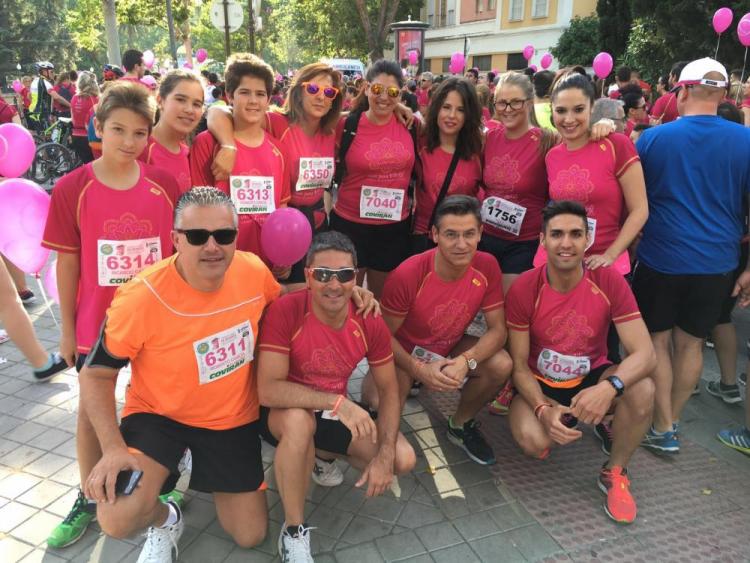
column 697, row 173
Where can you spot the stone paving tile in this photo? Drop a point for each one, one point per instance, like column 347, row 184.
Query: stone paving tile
column 47, row 465
column 400, row 546
column 13, row 550
column 439, row 535
column 41, row 556
column 461, row 552
column 12, row 514
column 207, row 549
column 43, row 494
column 36, row 529
column 364, row 553
column 362, row 529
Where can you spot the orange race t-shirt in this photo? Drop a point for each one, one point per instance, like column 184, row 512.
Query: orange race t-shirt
column 191, row 351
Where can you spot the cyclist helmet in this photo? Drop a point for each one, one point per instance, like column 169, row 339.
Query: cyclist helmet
column 43, row 65
column 112, row 72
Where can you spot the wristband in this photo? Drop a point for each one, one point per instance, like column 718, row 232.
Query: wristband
column 538, row 409
column 337, row 404
column 229, row 147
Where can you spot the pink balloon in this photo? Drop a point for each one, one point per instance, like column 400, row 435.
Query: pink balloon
column 458, row 62
column 743, row 30
column 722, row 20
column 603, row 64
column 533, row 67
column 285, row 236
column 20, row 150
column 17, row 86
column 413, row 57
column 201, row 55
column 187, row 65
column 149, row 82
column 495, row 71
column 49, row 282
column 528, row 52
column 546, row 61
column 23, row 215
column 148, row 58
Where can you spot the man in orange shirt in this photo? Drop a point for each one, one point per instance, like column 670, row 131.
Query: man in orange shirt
column 188, row 326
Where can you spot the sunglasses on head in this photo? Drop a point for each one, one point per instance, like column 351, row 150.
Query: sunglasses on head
column 328, row 91
column 392, row 91
column 199, row 237
column 324, row 275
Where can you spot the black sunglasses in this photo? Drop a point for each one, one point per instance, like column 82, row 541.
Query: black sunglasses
column 324, row 275
column 199, row 237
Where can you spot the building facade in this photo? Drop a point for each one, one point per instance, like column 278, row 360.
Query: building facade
column 494, row 32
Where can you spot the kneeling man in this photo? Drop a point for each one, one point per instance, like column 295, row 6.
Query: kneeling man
column 558, row 318
column 311, row 342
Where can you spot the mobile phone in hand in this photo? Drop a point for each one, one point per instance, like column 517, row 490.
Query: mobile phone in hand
column 127, row 481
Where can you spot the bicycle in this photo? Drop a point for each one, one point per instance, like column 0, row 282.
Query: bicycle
column 54, row 155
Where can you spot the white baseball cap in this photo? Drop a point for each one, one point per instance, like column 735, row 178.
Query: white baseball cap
column 695, row 73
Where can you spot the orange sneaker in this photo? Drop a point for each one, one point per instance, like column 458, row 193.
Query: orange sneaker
column 619, row 505
column 501, row 404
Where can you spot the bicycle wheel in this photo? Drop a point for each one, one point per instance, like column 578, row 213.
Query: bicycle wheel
column 51, row 161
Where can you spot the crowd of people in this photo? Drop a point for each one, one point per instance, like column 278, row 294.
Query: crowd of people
column 543, row 246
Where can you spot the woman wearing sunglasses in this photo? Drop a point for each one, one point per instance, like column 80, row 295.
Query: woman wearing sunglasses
column 452, row 131
column 373, row 204
column 304, row 130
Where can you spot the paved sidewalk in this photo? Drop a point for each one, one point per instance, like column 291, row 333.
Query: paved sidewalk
column 694, row 507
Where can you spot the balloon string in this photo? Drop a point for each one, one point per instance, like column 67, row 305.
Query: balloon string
column 742, row 78
column 716, row 54
column 47, row 303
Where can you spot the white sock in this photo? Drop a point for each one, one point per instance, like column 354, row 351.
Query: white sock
column 172, row 518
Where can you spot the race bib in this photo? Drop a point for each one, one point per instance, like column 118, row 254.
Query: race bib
column 381, row 203
column 252, row 195
column 314, row 173
column 224, row 352
column 592, row 231
column 559, row 367
column 328, row 415
column 424, row 355
column 120, row 260
column 503, row 214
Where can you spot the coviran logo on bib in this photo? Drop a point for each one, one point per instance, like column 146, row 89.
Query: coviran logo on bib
column 237, row 183
column 202, row 348
column 107, row 249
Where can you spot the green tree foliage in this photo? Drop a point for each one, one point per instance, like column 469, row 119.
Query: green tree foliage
column 579, row 43
column 614, row 25
column 647, row 50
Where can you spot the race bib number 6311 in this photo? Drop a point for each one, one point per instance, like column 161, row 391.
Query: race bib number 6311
column 223, row 353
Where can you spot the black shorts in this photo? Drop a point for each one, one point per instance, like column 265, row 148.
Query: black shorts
column 565, row 395
column 80, row 361
column 330, row 435
column 421, row 243
column 513, row 256
column 224, row 461
column 692, row 302
column 380, row 247
column 728, row 306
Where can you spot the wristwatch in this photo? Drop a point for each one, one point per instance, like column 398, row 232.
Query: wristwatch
column 617, row 383
column 471, row 362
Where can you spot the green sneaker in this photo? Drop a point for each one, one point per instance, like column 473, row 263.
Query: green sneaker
column 175, row 496
column 75, row 524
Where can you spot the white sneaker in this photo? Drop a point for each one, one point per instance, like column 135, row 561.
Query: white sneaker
column 160, row 541
column 186, row 463
column 326, row 473
column 296, row 548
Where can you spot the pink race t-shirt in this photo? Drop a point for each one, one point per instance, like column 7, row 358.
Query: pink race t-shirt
column 177, row 164
column 309, row 160
column 322, row 357
column 665, row 108
column 116, row 233
column 590, row 176
column 515, row 174
column 81, row 110
column 423, row 97
column 493, row 124
column 378, row 170
column 568, row 331
column 436, row 312
column 434, row 167
column 265, row 164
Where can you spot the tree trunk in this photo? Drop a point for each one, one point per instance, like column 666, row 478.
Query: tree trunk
column 376, row 35
column 110, row 27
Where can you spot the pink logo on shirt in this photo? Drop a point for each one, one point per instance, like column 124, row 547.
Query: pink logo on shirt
column 573, row 183
column 323, row 365
column 127, row 227
column 569, row 333
column 502, row 172
column 384, row 155
column 448, row 317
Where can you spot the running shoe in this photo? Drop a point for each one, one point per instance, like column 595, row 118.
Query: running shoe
column 160, row 541
column 471, row 441
column 186, row 462
column 326, row 473
column 603, row 431
column 742, row 379
column 58, row 365
column 738, row 439
column 501, row 404
column 3, row 336
column 730, row 394
column 70, row 530
column 27, row 297
column 294, row 544
column 619, row 505
column 661, row 442
column 416, row 386
column 174, row 496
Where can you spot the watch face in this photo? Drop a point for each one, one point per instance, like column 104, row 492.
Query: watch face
column 472, row 364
